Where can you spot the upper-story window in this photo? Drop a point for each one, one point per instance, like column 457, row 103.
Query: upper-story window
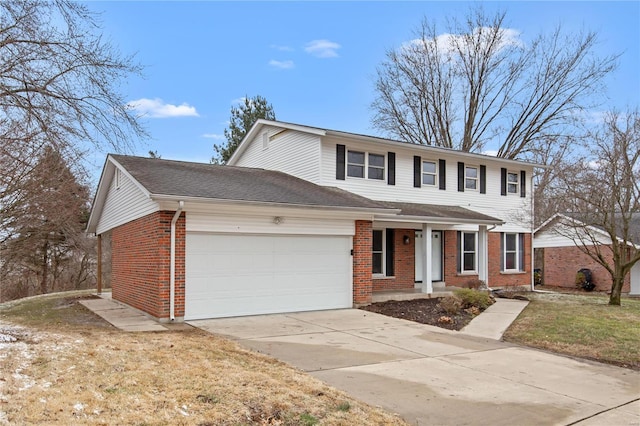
column 360, row 162
column 471, row 178
column 429, row 173
column 513, row 183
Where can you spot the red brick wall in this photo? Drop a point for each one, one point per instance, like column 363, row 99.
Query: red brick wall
column 403, row 264
column 562, row 263
column 141, row 263
column 497, row 278
column 362, row 246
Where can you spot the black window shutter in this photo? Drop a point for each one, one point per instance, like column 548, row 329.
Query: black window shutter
column 483, row 179
column 460, row 176
column 503, row 181
column 442, row 174
column 340, row 160
column 390, row 246
column 521, row 242
column 459, row 246
column 417, row 171
column 391, row 172
column 523, row 183
column 502, row 251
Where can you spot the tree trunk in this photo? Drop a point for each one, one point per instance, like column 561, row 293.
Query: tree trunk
column 45, row 268
column 616, row 288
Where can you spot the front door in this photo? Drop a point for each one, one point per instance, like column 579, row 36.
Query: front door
column 436, row 256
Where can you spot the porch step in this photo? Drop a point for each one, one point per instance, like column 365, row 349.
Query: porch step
column 383, row 296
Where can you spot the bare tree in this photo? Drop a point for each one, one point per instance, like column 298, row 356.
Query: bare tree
column 479, row 82
column 603, row 190
column 59, row 92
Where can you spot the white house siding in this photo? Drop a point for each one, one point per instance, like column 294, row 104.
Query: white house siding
column 513, row 209
column 124, row 204
column 288, row 151
column 553, row 236
column 202, row 222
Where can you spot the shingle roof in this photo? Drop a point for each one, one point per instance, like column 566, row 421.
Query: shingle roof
column 633, row 224
column 210, row 181
column 440, row 211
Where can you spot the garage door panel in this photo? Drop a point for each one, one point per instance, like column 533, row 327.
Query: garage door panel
column 232, row 275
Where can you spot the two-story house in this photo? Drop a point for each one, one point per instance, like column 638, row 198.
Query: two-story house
column 304, row 218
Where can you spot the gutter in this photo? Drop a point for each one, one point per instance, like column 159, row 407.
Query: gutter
column 172, row 263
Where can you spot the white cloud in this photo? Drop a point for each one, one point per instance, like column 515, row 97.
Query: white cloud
column 281, row 48
column 213, row 136
column 322, row 48
column 283, row 65
column 157, row 108
column 446, row 43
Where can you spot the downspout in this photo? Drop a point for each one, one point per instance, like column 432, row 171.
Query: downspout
column 172, row 263
column 533, row 257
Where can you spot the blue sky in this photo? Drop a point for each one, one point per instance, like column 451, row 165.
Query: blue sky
column 315, row 62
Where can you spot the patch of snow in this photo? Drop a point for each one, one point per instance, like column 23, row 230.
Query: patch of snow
column 4, row 338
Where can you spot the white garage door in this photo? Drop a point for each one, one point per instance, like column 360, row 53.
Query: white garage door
column 233, row 275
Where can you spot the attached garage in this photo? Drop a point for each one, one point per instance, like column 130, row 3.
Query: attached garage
column 232, row 275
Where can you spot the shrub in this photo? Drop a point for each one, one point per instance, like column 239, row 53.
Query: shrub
column 580, row 279
column 470, row 298
column 475, row 284
column 450, row 304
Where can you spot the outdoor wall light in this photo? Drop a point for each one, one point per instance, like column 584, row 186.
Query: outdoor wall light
column 406, row 240
column 278, row 220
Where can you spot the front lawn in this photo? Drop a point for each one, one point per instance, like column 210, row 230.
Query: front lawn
column 581, row 325
column 68, row 366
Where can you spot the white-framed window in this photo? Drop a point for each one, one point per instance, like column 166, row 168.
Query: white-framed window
column 429, row 173
column 512, row 252
column 468, row 252
column 471, row 178
column 355, row 164
column 359, row 162
column 378, row 252
column 513, row 183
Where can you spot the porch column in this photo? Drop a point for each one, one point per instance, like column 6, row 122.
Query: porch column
column 99, row 271
column 427, row 283
column 483, row 258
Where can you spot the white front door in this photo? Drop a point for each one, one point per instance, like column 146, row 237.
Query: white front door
column 436, row 259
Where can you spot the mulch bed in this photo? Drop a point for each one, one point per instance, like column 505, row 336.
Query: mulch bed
column 424, row 311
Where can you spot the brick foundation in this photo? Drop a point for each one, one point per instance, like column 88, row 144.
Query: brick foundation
column 562, row 263
column 140, row 263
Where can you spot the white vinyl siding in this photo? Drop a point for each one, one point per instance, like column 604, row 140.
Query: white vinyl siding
column 124, row 203
column 515, row 211
column 288, row 151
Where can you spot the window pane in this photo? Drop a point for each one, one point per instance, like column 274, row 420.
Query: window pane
column 377, row 240
column 355, row 171
column 428, row 167
column 377, row 263
column 471, row 172
column 376, row 173
column 510, row 261
column 376, row 160
column 469, row 242
column 428, row 179
column 471, row 184
column 510, row 242
column 356, row 157
column 469, row 262
column 512, row 188
column 513, row 177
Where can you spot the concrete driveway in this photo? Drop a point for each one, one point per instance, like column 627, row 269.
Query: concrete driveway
column 433, row 376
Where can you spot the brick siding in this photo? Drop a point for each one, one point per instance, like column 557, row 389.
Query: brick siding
column 362, row 258
column 140, row 261
column 497, row 278
column 403, row 264
column 561, row 264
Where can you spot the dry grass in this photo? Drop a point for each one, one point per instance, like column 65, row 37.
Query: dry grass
column 68, row 367
column 581, row 325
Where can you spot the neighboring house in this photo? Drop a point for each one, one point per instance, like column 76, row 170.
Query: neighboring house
column 559, row 258
column 304, row 218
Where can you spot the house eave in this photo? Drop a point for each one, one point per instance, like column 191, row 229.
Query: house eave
column 437, row 220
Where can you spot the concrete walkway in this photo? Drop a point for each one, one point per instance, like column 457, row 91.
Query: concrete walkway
column 121, row 316
column 432, row 376
column 495, row 320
